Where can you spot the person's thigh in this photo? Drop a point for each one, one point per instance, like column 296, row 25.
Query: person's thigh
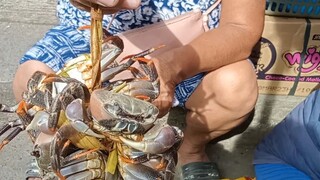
column 224, row 98
column 59, row 44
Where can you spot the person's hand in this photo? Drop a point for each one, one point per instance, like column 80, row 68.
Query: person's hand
column 167, row 87
column 107, row 6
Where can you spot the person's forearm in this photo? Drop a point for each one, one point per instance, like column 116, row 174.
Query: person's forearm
column 231, row 42
column 213, row 50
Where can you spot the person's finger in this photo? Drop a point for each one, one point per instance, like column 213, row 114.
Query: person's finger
column 106, row 3
column 86, row 6
column 109, row 11
column 164, row 101
column 163, row 106
column 118, row 4
column 78, row 4
column 128, row 4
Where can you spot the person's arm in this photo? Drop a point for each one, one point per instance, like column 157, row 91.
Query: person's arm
column 240, row 28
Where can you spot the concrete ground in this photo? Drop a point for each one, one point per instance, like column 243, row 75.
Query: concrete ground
column 22, row 23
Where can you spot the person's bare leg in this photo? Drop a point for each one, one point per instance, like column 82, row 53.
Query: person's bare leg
column 23, row 74
column 222, row 101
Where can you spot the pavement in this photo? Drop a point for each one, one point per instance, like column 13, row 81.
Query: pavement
column 22, row 23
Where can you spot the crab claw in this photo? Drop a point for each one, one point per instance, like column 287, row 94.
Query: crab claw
column 139, row 171
column 40, row 121
column 119, row 110
column 157, row 140
column 74, row 112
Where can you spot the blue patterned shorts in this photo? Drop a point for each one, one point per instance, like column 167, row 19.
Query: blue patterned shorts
column 65, row 42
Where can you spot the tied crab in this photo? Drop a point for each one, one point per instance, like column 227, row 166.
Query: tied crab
column 51, row 93
column 141, row 83
column 58, row 106
column 61, row 111
column 84, row 106
column 42, row 113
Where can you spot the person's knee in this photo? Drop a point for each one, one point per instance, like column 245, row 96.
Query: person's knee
column 237, row 87
column 23, row 74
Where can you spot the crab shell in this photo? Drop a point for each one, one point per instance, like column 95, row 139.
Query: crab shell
column 105, row 105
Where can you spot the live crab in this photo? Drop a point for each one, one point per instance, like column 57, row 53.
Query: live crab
column 60, row 106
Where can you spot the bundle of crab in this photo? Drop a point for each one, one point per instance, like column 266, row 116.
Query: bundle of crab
column 106, row 133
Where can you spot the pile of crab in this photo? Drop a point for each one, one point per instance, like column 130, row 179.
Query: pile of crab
column 108, row 133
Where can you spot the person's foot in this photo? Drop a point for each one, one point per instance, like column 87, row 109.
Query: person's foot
column 187, row 155
column 185, row 158
column 195, row 164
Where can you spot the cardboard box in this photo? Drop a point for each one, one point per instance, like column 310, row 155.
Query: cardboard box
column 286, row 45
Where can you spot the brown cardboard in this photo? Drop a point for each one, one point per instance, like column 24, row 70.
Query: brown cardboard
column 282, row 44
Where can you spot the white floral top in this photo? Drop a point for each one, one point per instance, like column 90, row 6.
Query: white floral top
column 65, row 42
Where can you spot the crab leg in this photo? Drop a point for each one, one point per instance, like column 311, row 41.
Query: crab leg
column 60, row 138
column 20, row 124
column 143, row 53
column 9, row 109
column 111, row 51
column 145, row 90
column 19, row 127
column 149, row 68
column 111, row 72
column 23, row 114
column 35, row 80
column 88, row 166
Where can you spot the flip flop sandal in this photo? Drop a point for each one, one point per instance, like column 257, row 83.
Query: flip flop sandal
column 200, row 171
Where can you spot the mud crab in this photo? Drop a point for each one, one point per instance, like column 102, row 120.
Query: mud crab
column 72, row 111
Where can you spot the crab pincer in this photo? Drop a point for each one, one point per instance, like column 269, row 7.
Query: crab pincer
column 157, row 140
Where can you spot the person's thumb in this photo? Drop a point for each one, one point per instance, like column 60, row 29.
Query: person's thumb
column 121, row 4
column 164, row 102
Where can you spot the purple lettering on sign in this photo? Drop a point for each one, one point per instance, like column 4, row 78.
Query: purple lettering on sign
column 312, row 60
